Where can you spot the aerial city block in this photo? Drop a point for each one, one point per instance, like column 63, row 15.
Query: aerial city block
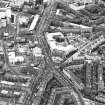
column 52, row 52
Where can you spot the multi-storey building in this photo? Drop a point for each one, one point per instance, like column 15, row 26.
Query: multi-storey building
column 15, row 89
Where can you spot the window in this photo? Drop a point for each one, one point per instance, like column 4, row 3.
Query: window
column 12, row 18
